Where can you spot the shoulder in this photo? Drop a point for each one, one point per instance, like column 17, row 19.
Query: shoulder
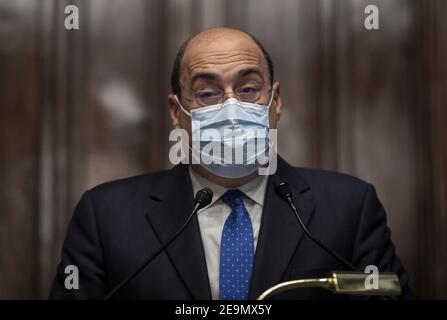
column 127, row 188
column 334, row 189
column 317, row 178
column 320, row 180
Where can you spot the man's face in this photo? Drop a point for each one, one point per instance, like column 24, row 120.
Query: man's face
column 222, row 59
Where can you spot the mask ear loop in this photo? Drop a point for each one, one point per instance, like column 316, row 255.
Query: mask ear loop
column 189, row 115
column 181, row 107
column 271, row 98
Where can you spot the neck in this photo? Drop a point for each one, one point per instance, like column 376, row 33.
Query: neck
column 224, row 182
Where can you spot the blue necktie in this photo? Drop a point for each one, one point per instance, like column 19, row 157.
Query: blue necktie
column 236, row 249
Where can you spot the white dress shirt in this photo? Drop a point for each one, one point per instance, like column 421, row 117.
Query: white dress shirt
column 212, row 219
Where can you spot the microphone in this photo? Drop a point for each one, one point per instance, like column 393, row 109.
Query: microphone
column 202, row 199
column 284, row 191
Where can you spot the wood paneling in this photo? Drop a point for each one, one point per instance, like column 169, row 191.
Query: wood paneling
column 82, row 107
column 19, row 149
column 431, row 145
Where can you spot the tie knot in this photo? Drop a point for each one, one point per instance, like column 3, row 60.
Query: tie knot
column 233, row 198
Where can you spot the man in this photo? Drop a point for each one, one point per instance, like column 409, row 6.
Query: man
column 247, row 239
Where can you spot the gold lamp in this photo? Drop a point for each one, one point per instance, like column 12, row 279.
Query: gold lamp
column 343, row 282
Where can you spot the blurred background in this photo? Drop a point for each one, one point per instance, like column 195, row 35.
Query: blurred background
column 86, row 106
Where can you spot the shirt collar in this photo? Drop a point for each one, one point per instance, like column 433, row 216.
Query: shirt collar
column 254, row 189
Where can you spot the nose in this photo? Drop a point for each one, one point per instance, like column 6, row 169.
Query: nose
column 227, row 95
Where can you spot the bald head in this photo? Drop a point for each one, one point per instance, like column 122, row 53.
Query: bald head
column 220, row 64
column 218, row 48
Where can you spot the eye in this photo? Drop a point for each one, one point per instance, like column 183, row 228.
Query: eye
column 249, row 92
column 208, row 97
column 206, row 94
column 247, row 89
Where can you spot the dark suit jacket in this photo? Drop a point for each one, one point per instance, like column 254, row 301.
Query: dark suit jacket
column 118, row 224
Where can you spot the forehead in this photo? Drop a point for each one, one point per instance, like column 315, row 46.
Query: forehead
column 220, row 53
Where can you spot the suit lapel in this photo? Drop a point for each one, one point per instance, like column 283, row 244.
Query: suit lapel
column 175, row 202
column 280, row 232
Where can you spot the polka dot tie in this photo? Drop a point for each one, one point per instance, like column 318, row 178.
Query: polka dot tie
column 236, row 249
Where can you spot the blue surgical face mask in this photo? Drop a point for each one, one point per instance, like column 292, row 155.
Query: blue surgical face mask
column 231, row 139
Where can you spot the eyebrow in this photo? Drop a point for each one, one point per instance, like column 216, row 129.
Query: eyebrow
column 214, row 76
column 248, row 71
column 204, row 75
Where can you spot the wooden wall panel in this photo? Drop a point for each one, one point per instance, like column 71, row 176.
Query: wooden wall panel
column 19, row 149
column 62, row 122
column 373, row 111
column 431, row 141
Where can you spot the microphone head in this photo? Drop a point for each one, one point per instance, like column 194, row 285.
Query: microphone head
column 203, row 197
column 281, row 187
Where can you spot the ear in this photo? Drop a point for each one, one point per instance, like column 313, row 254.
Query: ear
column 174, row 110
column 276, row 103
